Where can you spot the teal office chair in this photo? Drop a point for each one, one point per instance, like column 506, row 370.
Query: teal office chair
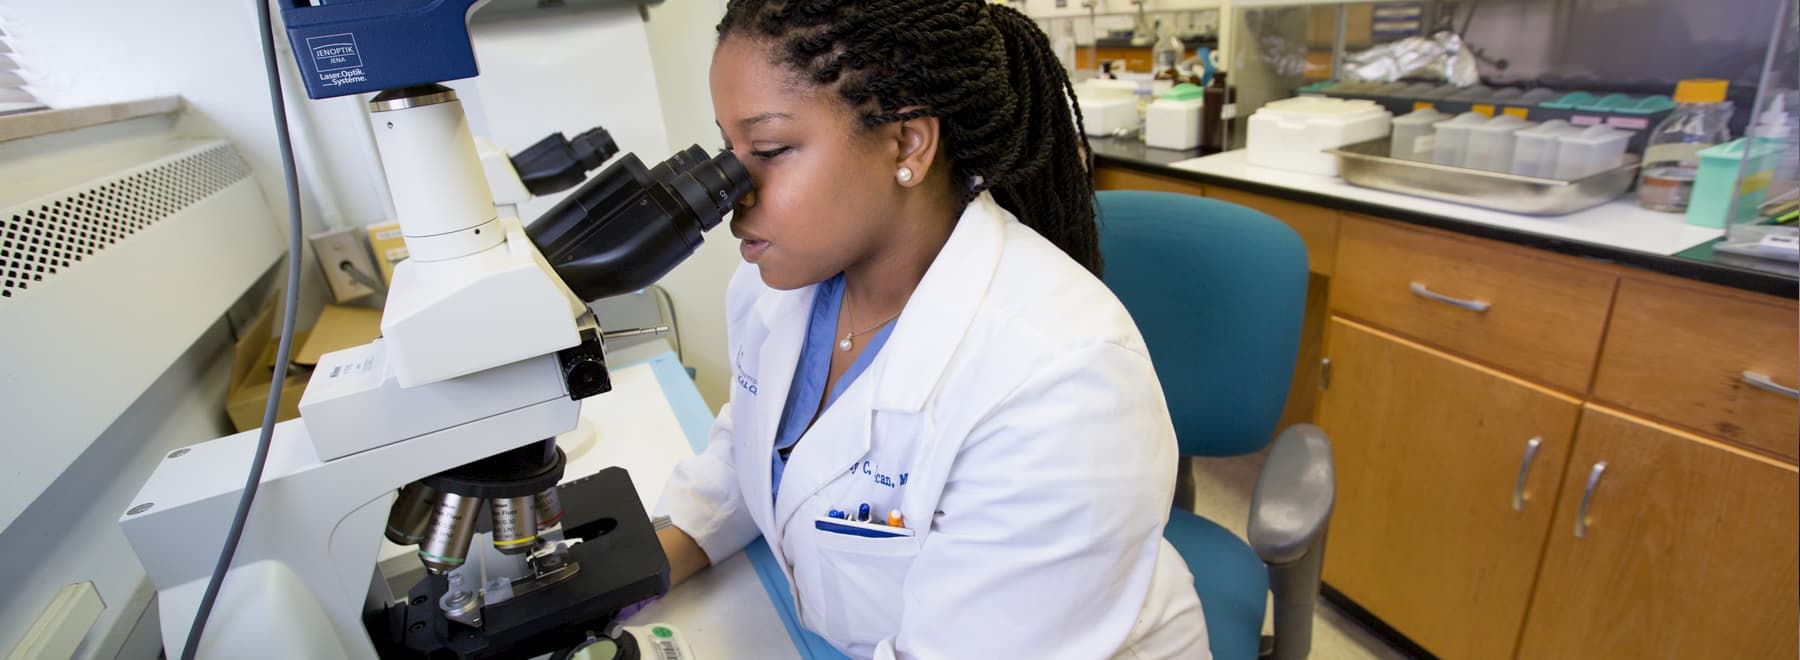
column 1219, row 292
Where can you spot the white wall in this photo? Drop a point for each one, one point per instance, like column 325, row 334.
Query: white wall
column 71, row 533
column 565, row 70
column 681, row 47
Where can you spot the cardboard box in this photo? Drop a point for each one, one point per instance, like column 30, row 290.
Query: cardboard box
column 253, row 360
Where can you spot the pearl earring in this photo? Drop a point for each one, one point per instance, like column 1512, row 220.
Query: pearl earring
column 905, row 174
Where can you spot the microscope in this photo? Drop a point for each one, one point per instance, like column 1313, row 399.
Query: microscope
column 444, row 426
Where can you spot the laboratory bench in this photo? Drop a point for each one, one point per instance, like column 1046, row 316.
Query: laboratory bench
column 1567, row 436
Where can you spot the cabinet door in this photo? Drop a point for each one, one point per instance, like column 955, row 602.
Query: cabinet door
column 1689, row 551
column 1428, row 449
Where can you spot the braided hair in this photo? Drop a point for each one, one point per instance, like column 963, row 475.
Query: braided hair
column 1005, row 105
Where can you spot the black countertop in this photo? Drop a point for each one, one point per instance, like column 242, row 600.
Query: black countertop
column 1699, row 263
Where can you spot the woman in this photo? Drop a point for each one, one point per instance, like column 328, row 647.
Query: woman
column 919, row 340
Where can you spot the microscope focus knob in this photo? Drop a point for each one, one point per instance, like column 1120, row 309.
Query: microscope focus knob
column 586, row 376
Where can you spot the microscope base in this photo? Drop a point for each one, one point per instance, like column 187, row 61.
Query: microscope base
column 621, row 562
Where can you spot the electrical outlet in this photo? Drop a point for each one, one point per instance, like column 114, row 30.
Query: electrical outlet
column 339, row 247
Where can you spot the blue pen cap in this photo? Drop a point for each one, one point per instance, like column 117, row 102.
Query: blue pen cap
column 863, row 513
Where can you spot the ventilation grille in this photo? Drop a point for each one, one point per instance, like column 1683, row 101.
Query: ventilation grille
column 38, row 242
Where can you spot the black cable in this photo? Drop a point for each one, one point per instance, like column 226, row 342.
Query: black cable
column 282, row 352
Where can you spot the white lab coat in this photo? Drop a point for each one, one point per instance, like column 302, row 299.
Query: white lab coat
column 1013, row 418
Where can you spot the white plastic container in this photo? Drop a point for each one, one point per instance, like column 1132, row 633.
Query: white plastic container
column 1408, row 128
column 1594, row 149
column 1173, row 121
column 1534, row 148
column 1107, row 116
column 1293, row 134
column 1108, row 107
column 1452, row 145
column 1491, row 143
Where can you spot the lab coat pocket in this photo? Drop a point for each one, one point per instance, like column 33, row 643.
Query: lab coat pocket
column 861, row 579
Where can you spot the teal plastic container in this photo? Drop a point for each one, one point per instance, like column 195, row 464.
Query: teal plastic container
column 1717, row 184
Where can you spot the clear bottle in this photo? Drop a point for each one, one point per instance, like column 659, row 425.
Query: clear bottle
column 1166, row 56
column 1672, row 156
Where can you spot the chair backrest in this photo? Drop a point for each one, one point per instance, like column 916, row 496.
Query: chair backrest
column 1219, row 292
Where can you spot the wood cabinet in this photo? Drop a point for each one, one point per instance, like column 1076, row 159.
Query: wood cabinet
column 1538, row 317
column 1689, row 549
column 1112, row 178
column 1682, row 354
column 1692, row 545
column 1430, row 450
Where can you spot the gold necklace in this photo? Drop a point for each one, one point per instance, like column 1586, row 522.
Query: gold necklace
column 849, row 340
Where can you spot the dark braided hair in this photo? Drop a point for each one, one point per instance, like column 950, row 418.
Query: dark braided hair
column 1006, row 107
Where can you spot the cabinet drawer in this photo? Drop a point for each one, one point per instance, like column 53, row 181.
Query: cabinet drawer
column 1681, row 354
column 1316, row 225
column 1537, row 317
column 1116, row 178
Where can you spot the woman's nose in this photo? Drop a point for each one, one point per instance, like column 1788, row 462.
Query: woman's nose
column 747, row 201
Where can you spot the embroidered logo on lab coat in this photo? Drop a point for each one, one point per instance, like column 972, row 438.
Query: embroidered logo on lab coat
column 746, row 377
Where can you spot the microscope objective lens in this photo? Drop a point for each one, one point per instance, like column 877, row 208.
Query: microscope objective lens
column 515, row 524
column 549, row 508
column 446, row 543
column 410, row 513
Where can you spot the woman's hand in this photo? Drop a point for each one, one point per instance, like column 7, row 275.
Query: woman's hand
column 685, row 556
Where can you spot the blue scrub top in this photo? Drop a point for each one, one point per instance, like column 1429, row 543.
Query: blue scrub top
column 814, row 368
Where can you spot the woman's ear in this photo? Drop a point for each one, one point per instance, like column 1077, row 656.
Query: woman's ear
column 918, row 141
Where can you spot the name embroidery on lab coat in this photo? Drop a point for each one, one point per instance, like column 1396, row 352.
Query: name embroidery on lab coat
column 744, row 379
column 873, row 471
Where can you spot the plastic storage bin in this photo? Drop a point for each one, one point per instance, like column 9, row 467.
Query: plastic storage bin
column 1408, row 129
column 1451, row 147
column 1594, row 149
column 1534, row 148
column 1718, row 183
column 1293, row 134
column 1491, row 143
column 1173, row 121
column 1108, row 107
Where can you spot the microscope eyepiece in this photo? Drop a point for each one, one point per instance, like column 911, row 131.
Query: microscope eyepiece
column 721, row 180
column 630, row 225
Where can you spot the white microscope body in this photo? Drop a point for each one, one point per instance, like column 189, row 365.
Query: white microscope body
column 466, row 367
column 486, row 349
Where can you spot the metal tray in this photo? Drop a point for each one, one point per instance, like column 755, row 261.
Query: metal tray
column 1367, row 164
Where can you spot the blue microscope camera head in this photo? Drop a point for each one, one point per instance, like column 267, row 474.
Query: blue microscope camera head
column 349, row 47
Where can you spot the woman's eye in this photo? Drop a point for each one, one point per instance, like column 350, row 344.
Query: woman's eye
column 766, row 154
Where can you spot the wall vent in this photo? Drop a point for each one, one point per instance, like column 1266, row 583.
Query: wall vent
column 39, row 242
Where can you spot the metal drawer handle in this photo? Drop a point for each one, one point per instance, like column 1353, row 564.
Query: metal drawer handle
column 1762, row 381
column 1531, row 450
column 1587, row 496
column 1418, row 288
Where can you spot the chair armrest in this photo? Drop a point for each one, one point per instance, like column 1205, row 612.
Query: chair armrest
column 1289, row 514
column 1294, row 493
